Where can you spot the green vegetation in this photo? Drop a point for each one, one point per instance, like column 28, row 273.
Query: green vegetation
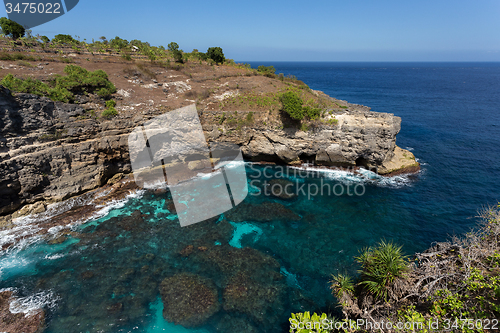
column 110, row 110
column 305, row 323
column 173, row 47
column 454, row 286
column 216, row 54
column 266, row 70
column 341, row 283
column 64, row 39
column 63, row 88
column 11, row 28
column 252, row 100
column 380, row 266
column 292, row 105
column 16, row 56
column 80, row 80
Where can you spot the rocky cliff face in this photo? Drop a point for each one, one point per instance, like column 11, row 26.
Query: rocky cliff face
column 50, row 151
column 358, row 138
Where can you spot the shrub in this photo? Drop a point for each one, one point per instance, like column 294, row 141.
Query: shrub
column 28, row 85
column 266, row 70
column 11, row 28
column 16, row 56
column 81, row 80
column 126, row 56
column 109, row 113
column 62, row 88
column 312, row 113
column 292, row 105
column 45, row 39
column 111, row 103
column 307, row 323
column 64, row 39
column 341, row 284
column 216, row 54
column 118, row 43
column 380, row 266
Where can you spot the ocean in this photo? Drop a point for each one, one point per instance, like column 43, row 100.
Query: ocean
column 277, row 256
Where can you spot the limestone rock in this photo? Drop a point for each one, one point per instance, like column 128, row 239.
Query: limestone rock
column 19, row 322
column 50, row 151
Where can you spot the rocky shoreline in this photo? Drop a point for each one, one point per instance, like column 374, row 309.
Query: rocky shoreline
column 51, row 151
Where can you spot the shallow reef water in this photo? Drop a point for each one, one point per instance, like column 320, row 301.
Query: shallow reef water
column 243, row 271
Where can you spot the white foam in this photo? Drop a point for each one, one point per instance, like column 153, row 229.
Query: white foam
column 55, row 230
column 115, row 204
column 362, row 176
column 32, row 303
column 54, row 256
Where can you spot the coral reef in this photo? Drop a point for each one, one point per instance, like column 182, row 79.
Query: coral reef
column 188, row 299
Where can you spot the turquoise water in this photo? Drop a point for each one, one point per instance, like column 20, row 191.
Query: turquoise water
column 105, row 277
column 271, row 256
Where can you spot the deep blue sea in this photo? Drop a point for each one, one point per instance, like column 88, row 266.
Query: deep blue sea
column 276, row 256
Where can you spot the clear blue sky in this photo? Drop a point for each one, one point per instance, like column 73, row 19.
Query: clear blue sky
column 330, row 30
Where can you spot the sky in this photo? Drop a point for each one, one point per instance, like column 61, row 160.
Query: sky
column 277, row 30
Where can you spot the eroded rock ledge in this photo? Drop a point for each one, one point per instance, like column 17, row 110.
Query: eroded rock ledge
column 50, row 151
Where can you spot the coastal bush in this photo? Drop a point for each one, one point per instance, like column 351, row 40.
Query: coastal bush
column 292, row 105
column 341, row 283
column 109, row 113
column 380, row 266
column 110, row 110
column 64, row 39
column 63, row 88
column 216, row 54
column 11, row 28
column 80, row 80
column 305, row 323
column 29, row 85
column 266, row 70
column 118, row 43
column 454, row 286
column 16, row 56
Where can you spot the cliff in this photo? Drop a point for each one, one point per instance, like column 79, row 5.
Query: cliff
column 50, row 151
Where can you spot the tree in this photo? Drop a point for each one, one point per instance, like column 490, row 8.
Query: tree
column 216, row 54
column 173, row 47
column 45, row 39
column 11, row 28
column 118, row 43
column 64, row 39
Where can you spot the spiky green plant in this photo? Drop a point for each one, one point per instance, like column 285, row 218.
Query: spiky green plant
column 340, row 284
column 380, row 266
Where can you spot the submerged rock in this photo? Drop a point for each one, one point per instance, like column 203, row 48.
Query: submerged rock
column 265, row 212
column 188, row 299
column 229, row 324
column 282, row 188
column 261, row 301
